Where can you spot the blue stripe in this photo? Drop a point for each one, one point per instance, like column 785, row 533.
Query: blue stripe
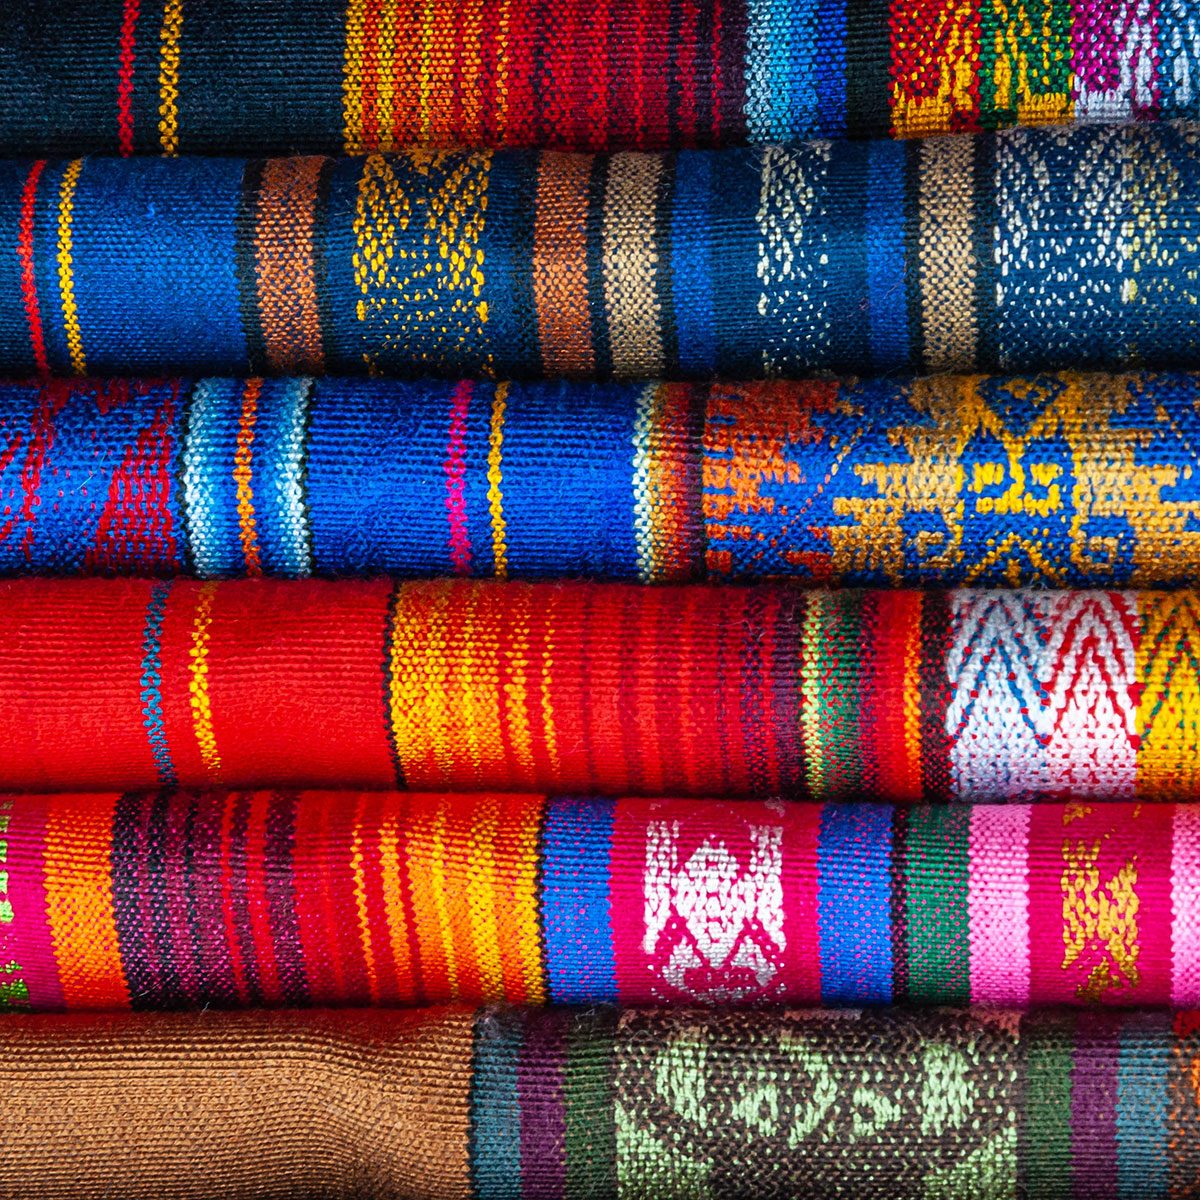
column 691, row 268
column 886, row 291
column 1143, row 1168
column 830, row 67
column 854, row 903
column 149, row 299
column 593, row 534
column 277, row 466
column 152, row 710
column 781, row 44
column 209, row 486
column 576, row 852
column 391, row 440
column 495, row 1107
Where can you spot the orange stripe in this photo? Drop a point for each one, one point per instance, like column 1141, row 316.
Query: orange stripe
column 79, row 901
column 392, row 819
column 462, row 892
column 425, row 882
column 361, row 909
column 560, row 283
column 517, row 901
column 484, row 894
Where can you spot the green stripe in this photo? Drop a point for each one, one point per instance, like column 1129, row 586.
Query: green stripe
column 936, row 862
column 832, row 666
column 588, row 1093
column 1046, row 1131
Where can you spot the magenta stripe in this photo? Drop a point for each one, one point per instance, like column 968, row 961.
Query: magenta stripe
column 456, row 476
column 27, row 940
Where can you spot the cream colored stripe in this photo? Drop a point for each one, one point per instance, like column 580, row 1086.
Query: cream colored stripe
column 948, row 267
column 630, row 264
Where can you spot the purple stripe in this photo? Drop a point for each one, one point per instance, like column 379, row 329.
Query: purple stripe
column 1094, row 1077
column 217, row 984
column 540, row 1072
column 240, row 899
column 280, row 847
column 180, row 817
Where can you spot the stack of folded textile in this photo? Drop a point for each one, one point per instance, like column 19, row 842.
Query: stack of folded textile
column 529, row 667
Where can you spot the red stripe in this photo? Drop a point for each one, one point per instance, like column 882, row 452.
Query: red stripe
column 125, row 77
column 229, row 918
column 28, row 280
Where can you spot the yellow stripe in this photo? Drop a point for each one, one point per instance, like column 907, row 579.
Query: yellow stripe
column 198, row 685
column 352, row 78
column 525, row 887
column 360, row 902
column 66, row 261
column 484, row 891
column 168, row 77
column 243, row 460
column 495, row 478
column 810, row 695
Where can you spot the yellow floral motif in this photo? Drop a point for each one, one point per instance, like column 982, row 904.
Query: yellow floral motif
column 943, row 473
column 1100, row 925
column 419, row 261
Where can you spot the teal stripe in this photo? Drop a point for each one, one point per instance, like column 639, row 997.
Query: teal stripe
column 495, row 1106
column 1142, row 1106
column 937, row 862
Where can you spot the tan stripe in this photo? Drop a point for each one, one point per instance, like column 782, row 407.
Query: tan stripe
column 285, row 263
column 560, row 285
column 948, row 267
column 630, row 258
column 255, row 1104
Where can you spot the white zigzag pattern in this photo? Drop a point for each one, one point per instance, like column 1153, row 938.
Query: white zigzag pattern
column 1042, row 694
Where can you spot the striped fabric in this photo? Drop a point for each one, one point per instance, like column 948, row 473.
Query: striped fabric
column 246, row 899
column 605, row 688
column 1025, row 250
column 563, row 1104
column 1052, row 479
column 204, row 76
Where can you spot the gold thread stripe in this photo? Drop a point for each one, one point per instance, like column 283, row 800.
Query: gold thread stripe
column 66, row 265
column 243, row 459
column 811, row 694
column 352, row 78
column 202, row 719
column 387, row 73
column 495, row 479
column 168, row 77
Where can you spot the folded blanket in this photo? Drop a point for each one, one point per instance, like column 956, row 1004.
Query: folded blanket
column 636, row 1104
column 236, row 899
column 260, row 76
column 1021, row 251
column 1061, row 479
column 611, row 688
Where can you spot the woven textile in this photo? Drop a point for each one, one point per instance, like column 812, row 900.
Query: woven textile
column 607, row 688
column 1064, row 479
column 172, row 76
column 171, row 900
column 601, row 1105
column 1023, row 250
